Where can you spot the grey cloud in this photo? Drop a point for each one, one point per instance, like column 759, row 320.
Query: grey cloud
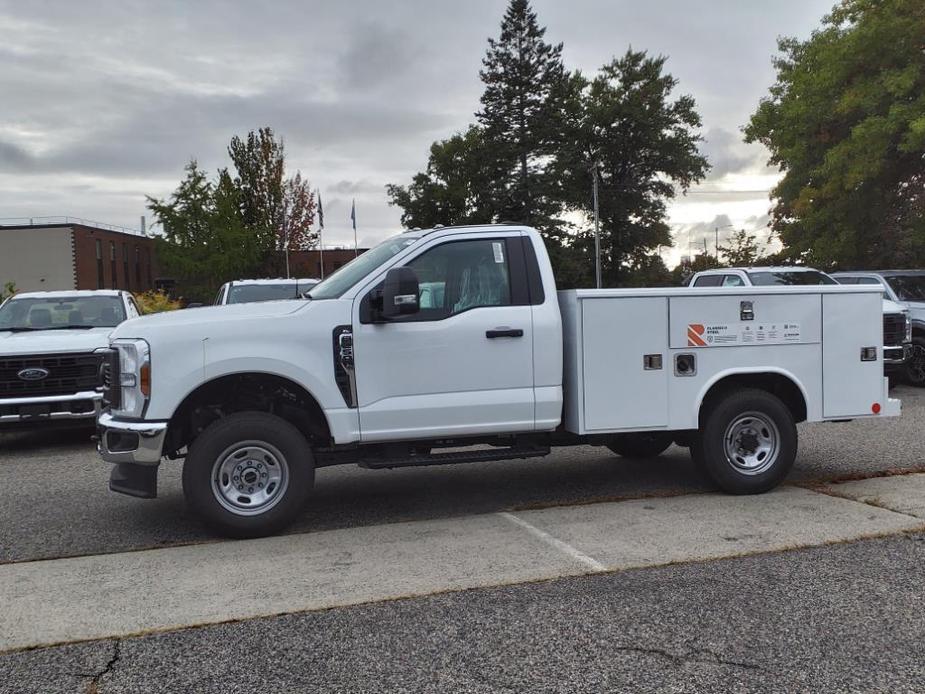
column 119, row 95
column 728, row 153
column 13, row 156
column 355, row 187
column 376, row 55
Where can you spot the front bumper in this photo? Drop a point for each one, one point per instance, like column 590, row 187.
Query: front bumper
column 896, row 355
column 84, row 405
column 138, row 443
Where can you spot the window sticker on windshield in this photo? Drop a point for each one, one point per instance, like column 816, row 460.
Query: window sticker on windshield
column 499, row 251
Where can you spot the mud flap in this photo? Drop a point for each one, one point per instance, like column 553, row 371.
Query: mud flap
column 134, row 480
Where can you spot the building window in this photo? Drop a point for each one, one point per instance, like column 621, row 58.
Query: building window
column 100, row 280
column 112, row 264
column 128, row 277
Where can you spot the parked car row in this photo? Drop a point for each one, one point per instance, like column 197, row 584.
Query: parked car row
column 899, row 355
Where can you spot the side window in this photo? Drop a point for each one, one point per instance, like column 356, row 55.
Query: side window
column 732, row 281
column 846, row 280
column 133, row 310
column 460, row 275
column 873, row 280
column 708, row 281
column 218, row 297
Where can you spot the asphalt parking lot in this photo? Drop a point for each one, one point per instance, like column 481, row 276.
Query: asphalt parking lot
column 55, row 502
column 836, row 617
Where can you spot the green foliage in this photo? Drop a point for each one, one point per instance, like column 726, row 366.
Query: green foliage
column 742, row 249
column 521, row 118
column 845, row 122
column 8, row 289
column 236, row 225
column 155, row 302
column 205, row 242
column 644, row 142
column 700, row 262
column 529, row 158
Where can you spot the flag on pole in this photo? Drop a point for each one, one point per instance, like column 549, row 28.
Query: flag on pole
column 320, row 212
column 353, row 218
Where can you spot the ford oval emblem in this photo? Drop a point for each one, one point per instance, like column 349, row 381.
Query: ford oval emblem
column 33, row 374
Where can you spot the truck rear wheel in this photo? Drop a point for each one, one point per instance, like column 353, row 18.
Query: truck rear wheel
column 748, row 442
column 915, row 368
column 248, row 474
column 640, row 445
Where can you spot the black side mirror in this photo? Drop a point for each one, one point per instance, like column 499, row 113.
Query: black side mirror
column 399, row 293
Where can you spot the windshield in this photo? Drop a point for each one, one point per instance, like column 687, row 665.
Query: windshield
column 248, row 293
column 790, row 277
column 345, row 277
column 908, row 287
column 60, row 314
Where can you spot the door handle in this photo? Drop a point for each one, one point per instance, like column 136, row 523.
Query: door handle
column 504, row 332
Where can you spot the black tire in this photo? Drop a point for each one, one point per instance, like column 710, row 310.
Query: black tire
column 766, row 432
column 915, row 368
column 640, row 445
column 265, row 446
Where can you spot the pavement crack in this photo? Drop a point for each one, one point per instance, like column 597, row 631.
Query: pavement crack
column 691, row 656
column 93, row 687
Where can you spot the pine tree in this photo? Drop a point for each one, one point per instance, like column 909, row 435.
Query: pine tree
column 523, row 76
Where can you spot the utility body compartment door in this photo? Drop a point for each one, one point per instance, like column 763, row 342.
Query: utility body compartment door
column 622, row 390
column 850, row 322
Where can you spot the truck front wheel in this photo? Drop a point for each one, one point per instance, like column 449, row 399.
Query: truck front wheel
column 248, row 474
column 748, row 442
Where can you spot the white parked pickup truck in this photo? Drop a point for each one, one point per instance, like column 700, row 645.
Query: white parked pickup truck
column 495, row 364
column 51, row 346
column 249, row 291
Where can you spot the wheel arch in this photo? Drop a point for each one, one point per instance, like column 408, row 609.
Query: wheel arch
column 259, row 391
column 775, row 381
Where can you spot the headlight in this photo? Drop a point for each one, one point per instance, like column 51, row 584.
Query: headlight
column 908, row 328
column 134, row 376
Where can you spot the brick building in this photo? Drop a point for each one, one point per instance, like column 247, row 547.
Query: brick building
column 76, row 255
column 308, row 263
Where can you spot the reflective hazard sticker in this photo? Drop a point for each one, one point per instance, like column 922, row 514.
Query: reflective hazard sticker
column 498, row 248
column 718, row 335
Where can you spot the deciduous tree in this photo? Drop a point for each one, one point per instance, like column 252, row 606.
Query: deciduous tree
column 845, row 122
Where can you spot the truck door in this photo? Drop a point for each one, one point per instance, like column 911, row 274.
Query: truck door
column 464, row 363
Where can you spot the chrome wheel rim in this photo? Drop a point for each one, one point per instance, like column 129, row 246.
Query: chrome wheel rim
column 917, row 364
column 752, row 443
column 250, row 478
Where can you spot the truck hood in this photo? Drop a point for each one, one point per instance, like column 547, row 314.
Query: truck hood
column 892, row 307
column 916, row 310
column 202, row 321
column 53, row 341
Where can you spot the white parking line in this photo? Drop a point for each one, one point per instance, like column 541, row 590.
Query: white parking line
column 564, row 547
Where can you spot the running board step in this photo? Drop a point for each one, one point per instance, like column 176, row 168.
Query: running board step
column 456, row 457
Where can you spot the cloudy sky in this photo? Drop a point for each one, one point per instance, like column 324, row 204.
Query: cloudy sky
column 103, row 102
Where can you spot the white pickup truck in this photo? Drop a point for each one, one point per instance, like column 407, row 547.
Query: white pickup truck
column 51, row 351
column 494, row 364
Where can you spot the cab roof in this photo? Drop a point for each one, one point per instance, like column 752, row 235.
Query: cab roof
column 275, row 280
column 761, row 268
column 68, row 294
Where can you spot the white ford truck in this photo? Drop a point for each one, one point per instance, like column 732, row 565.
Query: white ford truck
column 493, row 364
column 51, row 350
